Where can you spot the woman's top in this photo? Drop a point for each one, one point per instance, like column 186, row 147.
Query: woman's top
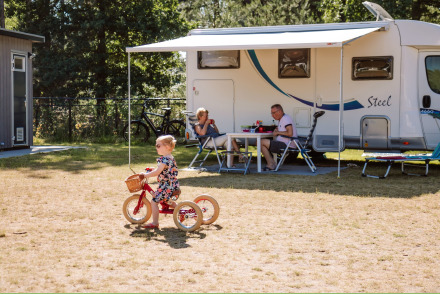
column 210, row 131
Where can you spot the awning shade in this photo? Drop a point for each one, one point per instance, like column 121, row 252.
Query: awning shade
column 303, row 39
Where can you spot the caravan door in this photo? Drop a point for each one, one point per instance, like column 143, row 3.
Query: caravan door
column 429, row 95
column 217, row 96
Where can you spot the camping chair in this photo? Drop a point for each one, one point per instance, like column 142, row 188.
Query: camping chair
column 301, row 147
column 405, row 160
column 202, row 145
column 244, row 167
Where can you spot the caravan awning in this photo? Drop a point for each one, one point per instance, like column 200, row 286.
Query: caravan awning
column 245, row 41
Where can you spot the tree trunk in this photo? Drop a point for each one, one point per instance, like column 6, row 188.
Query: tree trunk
column 2, row 14
column 100, row 73
column 416, row 11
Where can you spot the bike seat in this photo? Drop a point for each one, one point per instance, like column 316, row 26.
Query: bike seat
column 176, row 192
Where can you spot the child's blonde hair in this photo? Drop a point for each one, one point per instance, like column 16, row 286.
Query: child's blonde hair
column 167, row 140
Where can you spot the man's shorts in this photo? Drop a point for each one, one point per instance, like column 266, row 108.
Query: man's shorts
column 276, row 146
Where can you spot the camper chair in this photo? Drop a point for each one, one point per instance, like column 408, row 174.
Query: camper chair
column 405, row 160
column 301, row 147
column 202, row 145
column 244, row 167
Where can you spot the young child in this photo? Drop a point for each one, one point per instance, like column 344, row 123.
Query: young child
column 166, row 172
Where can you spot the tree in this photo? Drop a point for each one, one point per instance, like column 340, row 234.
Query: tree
column 211, row 13
column 246, row 13
column 2, row 14
column 353, row 10
column 278, row 12
column 84, row 53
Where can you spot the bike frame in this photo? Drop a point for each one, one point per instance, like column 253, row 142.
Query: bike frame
column 165, row 206
column 165, row 119
column 147, row 188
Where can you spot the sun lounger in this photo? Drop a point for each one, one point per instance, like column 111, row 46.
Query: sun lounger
column 405, row 160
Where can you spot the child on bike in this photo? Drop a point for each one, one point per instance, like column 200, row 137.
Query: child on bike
column 166, row 172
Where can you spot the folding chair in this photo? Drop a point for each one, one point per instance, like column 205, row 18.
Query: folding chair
column 202, row 145
column 244, row 167
column 301, row 148
column 405, row 160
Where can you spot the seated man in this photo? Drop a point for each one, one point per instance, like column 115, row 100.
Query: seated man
column 285, row 127
column 206, row 126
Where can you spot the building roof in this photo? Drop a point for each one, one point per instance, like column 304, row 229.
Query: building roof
column 21, row 35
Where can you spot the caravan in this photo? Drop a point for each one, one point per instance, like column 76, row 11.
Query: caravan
column 378, row 82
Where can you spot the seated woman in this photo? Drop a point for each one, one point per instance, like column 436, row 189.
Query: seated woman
column 206, row 126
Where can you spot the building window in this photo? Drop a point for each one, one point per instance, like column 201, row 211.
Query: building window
column 218, row 59
column 294, row 63
column 432, row 64
column 19, row 63
column 372, row 68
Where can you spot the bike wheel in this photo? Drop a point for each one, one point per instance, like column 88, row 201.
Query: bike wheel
column 140, row 133
column 142, row 215
column 188, row 216
column 177, row 129
column 209, row 207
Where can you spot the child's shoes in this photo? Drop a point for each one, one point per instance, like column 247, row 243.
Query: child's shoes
column 151, row 226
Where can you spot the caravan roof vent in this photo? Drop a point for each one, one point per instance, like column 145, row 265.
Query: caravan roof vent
column 377, row 11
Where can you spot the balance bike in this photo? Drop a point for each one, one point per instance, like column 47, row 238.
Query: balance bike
column 188, row 215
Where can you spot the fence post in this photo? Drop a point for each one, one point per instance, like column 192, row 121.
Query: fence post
column 36, row 104
column 70, row 120
column 116, row 115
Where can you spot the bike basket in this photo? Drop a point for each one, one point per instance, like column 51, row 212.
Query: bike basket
column 134, row 183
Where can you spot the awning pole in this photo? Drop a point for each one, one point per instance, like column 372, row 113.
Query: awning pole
column 341, row 110
column 129, row 113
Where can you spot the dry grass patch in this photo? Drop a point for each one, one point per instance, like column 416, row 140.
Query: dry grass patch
column 63, row 231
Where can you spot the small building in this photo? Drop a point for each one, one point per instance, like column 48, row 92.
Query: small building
column 16, row 88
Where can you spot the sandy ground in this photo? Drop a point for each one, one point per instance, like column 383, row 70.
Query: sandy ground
column 64, row 231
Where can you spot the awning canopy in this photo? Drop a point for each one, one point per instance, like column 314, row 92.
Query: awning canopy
column 245, row 41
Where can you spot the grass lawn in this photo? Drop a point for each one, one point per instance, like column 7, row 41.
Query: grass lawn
column 62, row 228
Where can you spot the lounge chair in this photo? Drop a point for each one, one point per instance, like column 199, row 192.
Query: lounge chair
column 405, row 160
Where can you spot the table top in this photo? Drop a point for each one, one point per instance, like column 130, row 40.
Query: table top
column 249, row 135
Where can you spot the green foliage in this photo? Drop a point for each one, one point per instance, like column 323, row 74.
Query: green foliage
column 246, row 13
column 219, row 13
column 354, row 10
column 434, row 80
column 84, row 53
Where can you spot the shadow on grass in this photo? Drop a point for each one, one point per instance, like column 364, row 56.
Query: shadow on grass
column 93, row 157
column 351, row 183
column 174, row 237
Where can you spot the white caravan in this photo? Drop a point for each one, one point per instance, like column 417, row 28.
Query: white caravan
column 385, row 74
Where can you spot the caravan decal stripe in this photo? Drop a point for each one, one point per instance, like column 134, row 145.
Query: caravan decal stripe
column 350, row 105
column 261, row 71
column 432, row 112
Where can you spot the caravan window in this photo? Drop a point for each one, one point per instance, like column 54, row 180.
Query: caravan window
column 372, row 68
column 218, row 59
column 433, row 72
column 294, row 63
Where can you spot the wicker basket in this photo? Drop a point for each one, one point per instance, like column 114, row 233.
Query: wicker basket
column 134, row 183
